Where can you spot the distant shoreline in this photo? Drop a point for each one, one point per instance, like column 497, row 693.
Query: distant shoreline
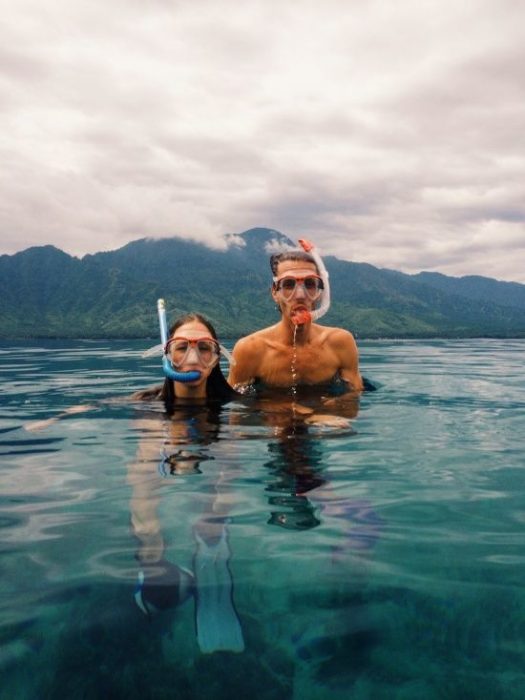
column 152, row 339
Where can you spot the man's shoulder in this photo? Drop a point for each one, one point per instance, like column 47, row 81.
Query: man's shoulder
column 256, row 339
column 336, row 336
column 248, row 354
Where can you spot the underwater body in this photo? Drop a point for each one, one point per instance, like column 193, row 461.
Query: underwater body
column 245, row 551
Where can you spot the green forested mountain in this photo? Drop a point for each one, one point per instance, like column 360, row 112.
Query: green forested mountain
column 477, row 288
column 46, row 293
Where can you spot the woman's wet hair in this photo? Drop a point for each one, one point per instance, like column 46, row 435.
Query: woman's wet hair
column 299, row 255
column 217, row 388
column 189, row 318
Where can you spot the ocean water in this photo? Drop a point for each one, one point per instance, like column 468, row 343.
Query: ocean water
column 379, row 557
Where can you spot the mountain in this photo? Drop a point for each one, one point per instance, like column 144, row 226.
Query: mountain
column 46, row 293
column 477, row 288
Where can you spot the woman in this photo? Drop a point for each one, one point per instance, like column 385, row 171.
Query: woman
column 192, row 350
column 194, row 373
column 193, row 393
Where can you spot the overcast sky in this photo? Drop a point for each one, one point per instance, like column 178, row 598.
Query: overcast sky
column 387, row 132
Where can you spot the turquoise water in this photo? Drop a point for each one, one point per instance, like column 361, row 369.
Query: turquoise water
column 384, row 559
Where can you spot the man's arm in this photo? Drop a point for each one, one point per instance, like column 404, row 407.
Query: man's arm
column 345, row 346
column 246, row 360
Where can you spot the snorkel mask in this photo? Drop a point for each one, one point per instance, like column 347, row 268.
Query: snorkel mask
column 168, row 368
column 312, row 289
column 176, row 351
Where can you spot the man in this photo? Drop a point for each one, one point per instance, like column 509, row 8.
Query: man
column 296, row 350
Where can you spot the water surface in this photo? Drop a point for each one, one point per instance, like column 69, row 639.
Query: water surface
column 382, row 559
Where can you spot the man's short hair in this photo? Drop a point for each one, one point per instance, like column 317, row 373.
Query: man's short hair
column 277, row 258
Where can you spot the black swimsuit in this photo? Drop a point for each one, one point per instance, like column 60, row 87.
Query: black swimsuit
column 336, row 386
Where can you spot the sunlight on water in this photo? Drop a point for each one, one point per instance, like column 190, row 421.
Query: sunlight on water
column 381, row 560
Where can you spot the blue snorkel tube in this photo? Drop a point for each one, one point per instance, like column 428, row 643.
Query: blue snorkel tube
column 166, row 364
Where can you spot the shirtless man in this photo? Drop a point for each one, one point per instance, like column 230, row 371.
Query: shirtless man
column 320, row 354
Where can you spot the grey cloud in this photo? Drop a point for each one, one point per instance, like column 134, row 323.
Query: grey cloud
column 16, row 65
column 393, row 137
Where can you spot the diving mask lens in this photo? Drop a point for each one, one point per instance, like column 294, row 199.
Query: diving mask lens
column 312, row 285
column 203, row 351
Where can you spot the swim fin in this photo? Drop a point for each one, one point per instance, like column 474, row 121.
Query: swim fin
column 218, row 626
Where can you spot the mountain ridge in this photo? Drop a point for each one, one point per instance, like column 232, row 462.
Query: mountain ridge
column 46, row 292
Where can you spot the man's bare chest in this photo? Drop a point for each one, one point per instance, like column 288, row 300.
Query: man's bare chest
column 302, row 364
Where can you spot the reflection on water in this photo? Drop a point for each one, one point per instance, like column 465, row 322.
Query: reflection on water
column 295, row 464
column 254, row 551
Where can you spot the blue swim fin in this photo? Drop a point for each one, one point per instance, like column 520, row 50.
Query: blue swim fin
column 218, row 625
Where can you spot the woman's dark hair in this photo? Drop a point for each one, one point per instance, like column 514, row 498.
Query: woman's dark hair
column 217, row 388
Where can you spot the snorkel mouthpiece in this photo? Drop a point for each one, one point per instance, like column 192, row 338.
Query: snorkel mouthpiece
column 304, row 316
column 301, row 317
column 166, row 364
column 179, row 376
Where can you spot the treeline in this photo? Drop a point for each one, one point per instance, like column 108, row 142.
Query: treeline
column 47, row 293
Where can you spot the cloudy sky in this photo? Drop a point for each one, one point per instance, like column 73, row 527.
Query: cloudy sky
column 388, row 132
